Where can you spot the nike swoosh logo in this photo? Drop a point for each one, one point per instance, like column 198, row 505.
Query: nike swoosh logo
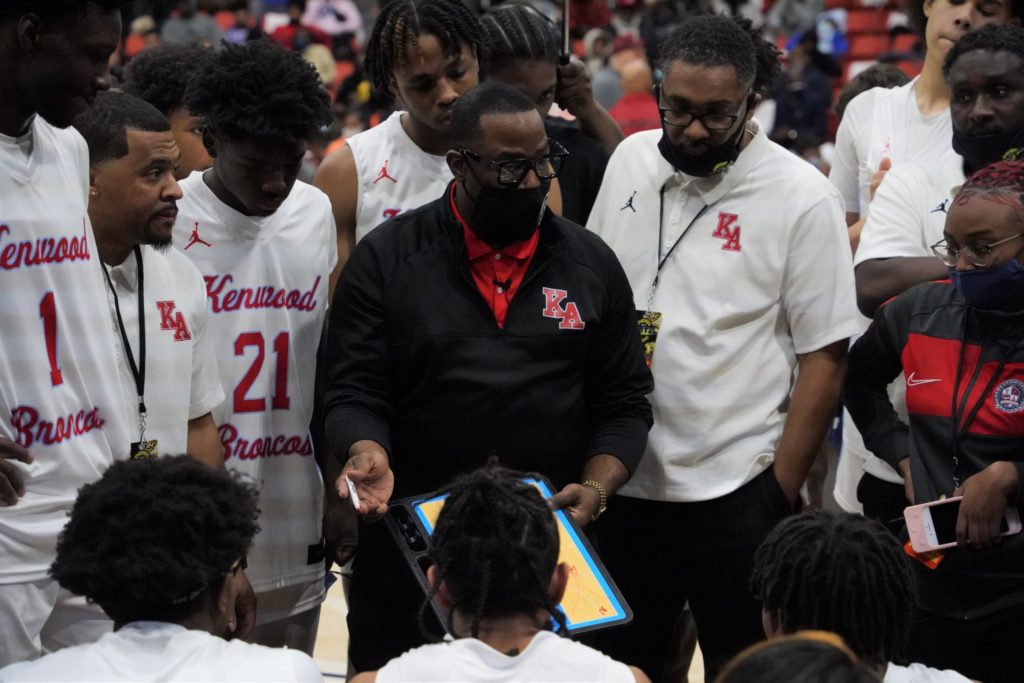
column 911, row 382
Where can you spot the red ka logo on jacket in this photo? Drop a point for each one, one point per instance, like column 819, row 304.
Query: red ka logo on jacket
column 569, row 314
column 173, row 320
column 726, row 232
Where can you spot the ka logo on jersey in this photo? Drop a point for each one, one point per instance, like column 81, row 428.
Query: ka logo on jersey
column 568, row 314
column 173, row 320
column 726, row 231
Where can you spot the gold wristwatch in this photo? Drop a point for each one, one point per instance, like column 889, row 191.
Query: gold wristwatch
column 602, row 492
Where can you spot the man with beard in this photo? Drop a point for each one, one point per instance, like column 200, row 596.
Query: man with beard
column 738, row 256
column 480, row 325
column 158, row 295
column 985, row 75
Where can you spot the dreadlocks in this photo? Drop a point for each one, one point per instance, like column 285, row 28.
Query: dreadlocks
column 515, row 33
column 1002, row 182
column 837, row 572
column 496, row 547
column 404, row 21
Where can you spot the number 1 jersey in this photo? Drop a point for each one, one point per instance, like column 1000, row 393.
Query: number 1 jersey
column 267, row 284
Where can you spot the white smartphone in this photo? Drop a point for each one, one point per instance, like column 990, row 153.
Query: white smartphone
column 932, row 526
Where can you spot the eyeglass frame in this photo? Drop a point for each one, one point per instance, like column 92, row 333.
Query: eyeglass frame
column 942, row 249
column 699, row 117
column 561, row 154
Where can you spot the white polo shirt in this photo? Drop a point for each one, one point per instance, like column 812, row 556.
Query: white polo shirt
column 394, row 174
column 182, row 382
column 158, row 651
column 266, row 290
column 885, row 123
column 59, row 396
column 907, row 216
column 763, row 274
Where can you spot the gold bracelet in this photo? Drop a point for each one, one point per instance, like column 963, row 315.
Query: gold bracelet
column 602, row 492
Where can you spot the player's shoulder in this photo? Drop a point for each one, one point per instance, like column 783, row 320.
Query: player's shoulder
column 795, row 178
column 309, row 196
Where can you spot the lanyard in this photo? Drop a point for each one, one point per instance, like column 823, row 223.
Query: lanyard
column 663, row 260
column 138, row 371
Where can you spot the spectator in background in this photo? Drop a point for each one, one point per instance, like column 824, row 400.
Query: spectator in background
column 157, row 543
column 637, row 109
column 297, row 35
column 187, row 26
column 597, row 48
column 245, row 26
column 803, row 95
column 159, row 76
column 523, row 50
column 789, row 17
column 745, row 9
column 875, row 76
column 143, row 35
column 626, row 19
column 334, row 17
column 495, row 570
column 587, row 14
column 846, row 574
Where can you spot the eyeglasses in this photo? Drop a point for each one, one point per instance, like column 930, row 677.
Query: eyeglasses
column 713, row 121
column 978, row 255
column 512, row 171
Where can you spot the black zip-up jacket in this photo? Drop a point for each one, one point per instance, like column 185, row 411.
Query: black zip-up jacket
column 934, row 337
column 417, row 362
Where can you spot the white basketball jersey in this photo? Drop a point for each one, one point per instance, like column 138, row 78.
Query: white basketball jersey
column 395, row 175
column 266, row 283
column 59, row 393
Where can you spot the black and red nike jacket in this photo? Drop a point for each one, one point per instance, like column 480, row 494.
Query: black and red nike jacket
column 944, row 346
column 417, row 362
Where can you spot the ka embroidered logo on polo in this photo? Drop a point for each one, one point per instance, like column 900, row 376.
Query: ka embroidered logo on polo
column 726, row 231
column 173, row 320
column 569, row 314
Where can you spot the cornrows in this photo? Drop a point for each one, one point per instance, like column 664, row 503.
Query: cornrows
column 518, row 32
column 495, row 547
column 402, row 22
column 841, row 573
column 1002, row 182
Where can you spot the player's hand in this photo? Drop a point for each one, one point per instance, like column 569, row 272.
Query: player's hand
column 341, row 530
column 575, row 93
column 986, row 495
column 908, row 484
column 581, row 502
column 12, row 484
column 369, row 469
column 244, row 619
column 879, row 176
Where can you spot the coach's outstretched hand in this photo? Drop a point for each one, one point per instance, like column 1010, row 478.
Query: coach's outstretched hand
column 369, row 469
column 12, row 484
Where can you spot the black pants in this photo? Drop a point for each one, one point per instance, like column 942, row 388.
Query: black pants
column 883, row 500
column 984, row 649
column 384, row 603
column 663, row 554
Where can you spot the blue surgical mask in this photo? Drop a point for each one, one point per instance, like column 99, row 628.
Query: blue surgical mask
column 997, row 288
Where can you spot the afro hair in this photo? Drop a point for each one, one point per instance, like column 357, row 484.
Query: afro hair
column 161, row 74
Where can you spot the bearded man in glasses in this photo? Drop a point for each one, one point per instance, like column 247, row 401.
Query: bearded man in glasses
column 480, row 325
column 738, row 257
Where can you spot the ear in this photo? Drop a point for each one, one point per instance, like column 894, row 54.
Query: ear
column 30, row 33
column 441, row 595
column 927, row 6
column 210, row 141
column 93, row 189
column 457, row 165
column 559, row 580
column 753, row 106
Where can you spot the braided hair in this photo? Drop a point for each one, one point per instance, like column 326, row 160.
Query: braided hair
column 513, row 33
column 496, row 547
column 837, row 572
column 403, row 21
column 1001, row 182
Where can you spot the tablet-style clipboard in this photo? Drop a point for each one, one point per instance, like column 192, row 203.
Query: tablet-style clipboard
column 592, row 601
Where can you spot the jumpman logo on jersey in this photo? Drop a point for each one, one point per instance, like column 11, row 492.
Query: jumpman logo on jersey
column 195, row 238
column 384, row 174
column 629, row 203
column 941, row 208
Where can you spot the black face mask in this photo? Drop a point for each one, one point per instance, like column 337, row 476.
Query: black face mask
column 501, row 216
column 714, row 160
column 981, row 150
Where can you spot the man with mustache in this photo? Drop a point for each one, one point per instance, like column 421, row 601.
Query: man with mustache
column 157, row 295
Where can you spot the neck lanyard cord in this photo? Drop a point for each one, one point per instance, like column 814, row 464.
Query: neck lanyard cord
column 139, row 370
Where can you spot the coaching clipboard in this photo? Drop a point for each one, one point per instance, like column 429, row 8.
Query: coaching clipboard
column 592, row 601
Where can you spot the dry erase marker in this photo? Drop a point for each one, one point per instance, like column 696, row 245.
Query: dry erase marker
column 352, row 493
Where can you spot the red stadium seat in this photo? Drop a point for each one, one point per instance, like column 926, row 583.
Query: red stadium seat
column 904, row 42
column 868, row 46
column 837, row 4
column 866, row 21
